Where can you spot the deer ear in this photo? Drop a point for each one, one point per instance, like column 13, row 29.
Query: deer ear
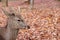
column 5, row 12
column 13, row 14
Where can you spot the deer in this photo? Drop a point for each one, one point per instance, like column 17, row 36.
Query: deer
column 14, row 23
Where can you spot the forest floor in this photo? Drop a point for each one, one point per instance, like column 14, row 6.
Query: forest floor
column 44, row 21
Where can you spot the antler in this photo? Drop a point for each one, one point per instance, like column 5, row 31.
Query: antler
column 5, row 12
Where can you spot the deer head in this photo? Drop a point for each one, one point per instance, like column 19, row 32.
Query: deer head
column 14, row 19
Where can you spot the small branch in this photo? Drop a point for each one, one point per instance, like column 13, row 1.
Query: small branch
column 31, row 3
column 4, row 3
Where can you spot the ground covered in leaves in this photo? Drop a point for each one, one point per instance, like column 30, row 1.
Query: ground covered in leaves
column 44, row 24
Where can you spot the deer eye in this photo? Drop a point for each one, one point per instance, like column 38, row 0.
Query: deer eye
column 20, row 20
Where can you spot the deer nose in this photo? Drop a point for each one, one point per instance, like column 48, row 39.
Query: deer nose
column 28, row 27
